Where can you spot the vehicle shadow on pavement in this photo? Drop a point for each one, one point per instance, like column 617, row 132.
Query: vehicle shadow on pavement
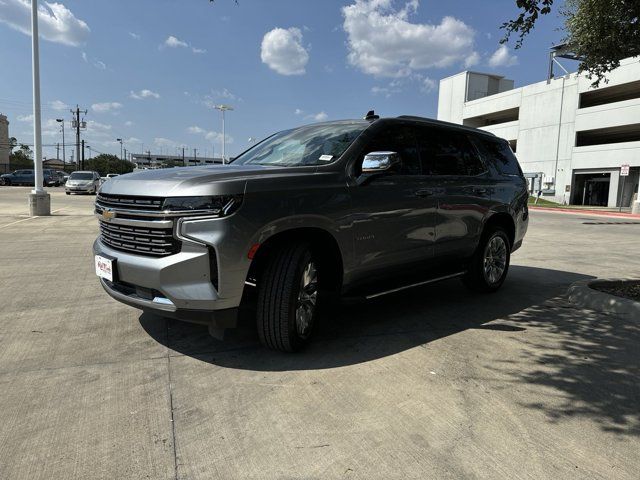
column 581, row 363
column 351, row 334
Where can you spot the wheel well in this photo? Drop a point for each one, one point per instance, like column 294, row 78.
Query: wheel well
column 505, row 221
column 324, row 247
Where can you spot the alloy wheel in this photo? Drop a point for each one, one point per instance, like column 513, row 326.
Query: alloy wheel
column 307, row 298
column 495, row 259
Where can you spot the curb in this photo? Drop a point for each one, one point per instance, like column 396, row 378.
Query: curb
column 582, row 294
column 586, row 212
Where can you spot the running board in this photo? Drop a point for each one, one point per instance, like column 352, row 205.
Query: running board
column 406, row 287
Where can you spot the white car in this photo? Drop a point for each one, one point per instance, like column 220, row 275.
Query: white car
column 83, row 182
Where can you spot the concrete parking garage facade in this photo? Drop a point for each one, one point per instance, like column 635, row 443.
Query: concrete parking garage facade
column 571, row 139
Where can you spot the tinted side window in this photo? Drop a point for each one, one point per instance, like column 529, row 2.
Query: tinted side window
column 400, row 139
column 500, row 153
column 447, row 153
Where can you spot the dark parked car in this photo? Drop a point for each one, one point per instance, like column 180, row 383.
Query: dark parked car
column 360, row 208
column 27, row 177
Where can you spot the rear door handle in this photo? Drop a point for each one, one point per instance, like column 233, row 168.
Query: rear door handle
column 424, row 192
column 480, row 190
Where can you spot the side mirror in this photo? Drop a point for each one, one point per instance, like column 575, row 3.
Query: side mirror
column 378, row 162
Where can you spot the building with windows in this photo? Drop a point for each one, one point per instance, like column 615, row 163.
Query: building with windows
column 4, row 144
column 152, row 160
column 572, row 140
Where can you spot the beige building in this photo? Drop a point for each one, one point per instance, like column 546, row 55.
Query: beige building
column 4, row 144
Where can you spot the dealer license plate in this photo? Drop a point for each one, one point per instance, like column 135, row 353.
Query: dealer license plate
column 104, row 268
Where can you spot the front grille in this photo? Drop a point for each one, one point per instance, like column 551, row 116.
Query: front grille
column 129, row 202
column 156, row 242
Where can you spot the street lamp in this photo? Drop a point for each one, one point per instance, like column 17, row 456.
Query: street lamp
column 64, row 156
column 223, row 108
column 120, row 140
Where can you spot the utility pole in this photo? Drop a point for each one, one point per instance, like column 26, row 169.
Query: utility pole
column 125, row 154
column 183, row 164
column 195, row 161
column 78, row 125
column 58, row 150
column 64, row 156
column 39, row 199
column 82, row 154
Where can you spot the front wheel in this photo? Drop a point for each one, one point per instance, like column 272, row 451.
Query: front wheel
column 287, row 298
column 490, row 263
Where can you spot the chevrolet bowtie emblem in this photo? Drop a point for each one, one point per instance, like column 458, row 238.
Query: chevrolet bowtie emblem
column 108, row 214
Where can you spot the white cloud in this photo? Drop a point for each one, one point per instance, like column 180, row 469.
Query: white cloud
column 25, row 118
column 196, row 130
column 472, row 60
column 100, row 65
column 144, row 93
column 58, row 105
column 283, row 52
column 164, row 142
column 128, row 123
column 502, row 58
column 428, row 85
column 383, row 42
column 97, row 127
column 298, row 111
column 175, row 42
column 135, row 36
column 56, row 22
column 209, row 135
column 106, row 107
column 318, row 117
column 84, row 57
column 212, row 99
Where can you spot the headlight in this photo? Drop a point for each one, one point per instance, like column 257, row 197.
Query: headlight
column 217, row 205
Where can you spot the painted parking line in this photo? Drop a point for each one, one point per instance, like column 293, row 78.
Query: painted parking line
column 26, row 219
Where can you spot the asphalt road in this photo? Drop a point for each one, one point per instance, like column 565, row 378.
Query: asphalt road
column 430, row 383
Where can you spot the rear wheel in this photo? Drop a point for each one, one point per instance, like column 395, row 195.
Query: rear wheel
column 490, row 263
column 287, row 298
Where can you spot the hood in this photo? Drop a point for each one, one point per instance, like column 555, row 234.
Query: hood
column 189, row 181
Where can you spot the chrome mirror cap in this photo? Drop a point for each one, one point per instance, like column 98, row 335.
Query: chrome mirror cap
column 379, row 161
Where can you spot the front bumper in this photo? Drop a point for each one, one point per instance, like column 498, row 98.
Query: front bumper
column 79, row 188
column 180, row 285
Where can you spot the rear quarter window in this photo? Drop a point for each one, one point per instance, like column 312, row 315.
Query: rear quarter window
column 500, row 154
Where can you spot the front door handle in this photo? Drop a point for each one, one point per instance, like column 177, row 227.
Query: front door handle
column 480, row 190
column 424, row 192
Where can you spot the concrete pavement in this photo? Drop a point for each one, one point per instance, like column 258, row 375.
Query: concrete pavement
column 430, row 383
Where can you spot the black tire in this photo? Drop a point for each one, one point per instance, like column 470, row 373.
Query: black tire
column 68, row 193
column 278, row 299
column 490, row 279
column 7, row 183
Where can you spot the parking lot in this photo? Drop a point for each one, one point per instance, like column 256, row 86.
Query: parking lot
column 435, row 382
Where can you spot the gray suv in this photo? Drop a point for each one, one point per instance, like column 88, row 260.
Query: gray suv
column 355, row 208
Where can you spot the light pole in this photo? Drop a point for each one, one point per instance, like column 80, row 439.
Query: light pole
column 223, row 108
column 64, row 156
column 39, row 200
column 89, row 148
column 120, row 140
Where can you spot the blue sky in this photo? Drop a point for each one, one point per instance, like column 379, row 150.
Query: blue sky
column 149, row 71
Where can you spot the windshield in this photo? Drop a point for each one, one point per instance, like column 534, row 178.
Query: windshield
column 310, row 145
column 81, row 176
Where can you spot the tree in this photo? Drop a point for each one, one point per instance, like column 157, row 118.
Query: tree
column 600, row 32
column 20, row 157
column 105, row 163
